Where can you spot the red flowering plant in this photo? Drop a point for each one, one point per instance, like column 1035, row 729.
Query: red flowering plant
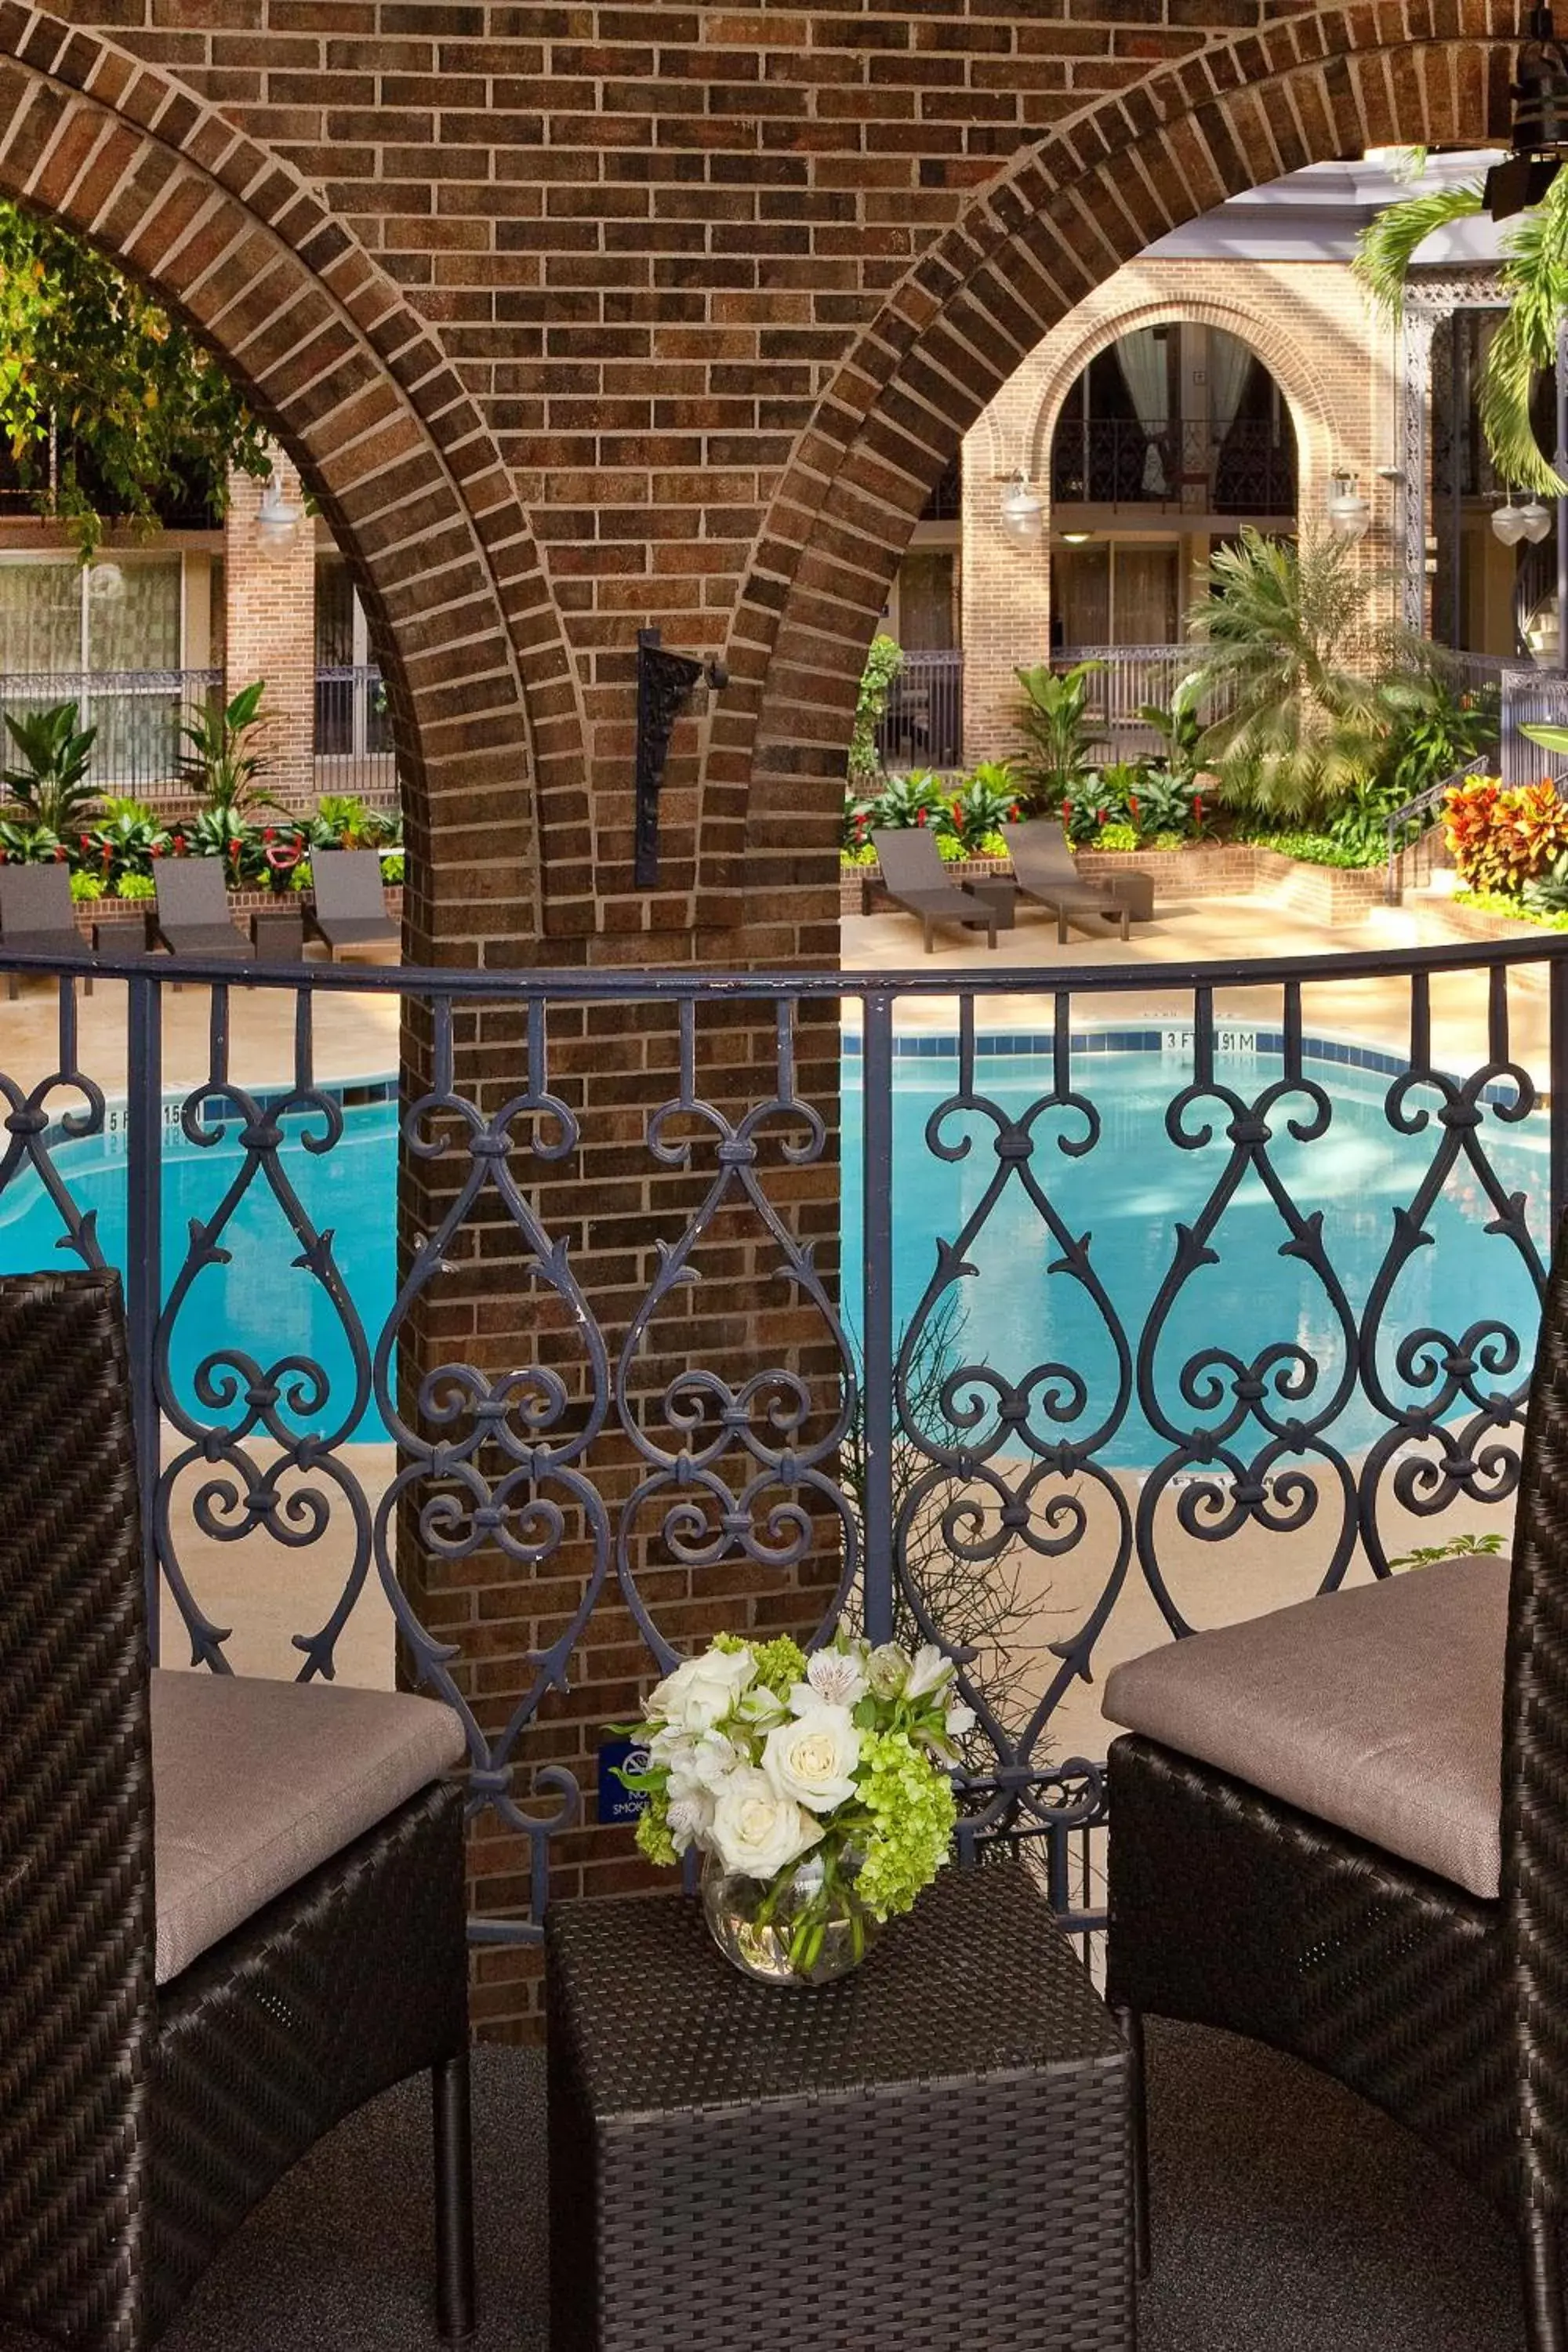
column 984, row 802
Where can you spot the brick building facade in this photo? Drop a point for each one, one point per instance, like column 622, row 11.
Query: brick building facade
column 582, row 318
column 1333, row 360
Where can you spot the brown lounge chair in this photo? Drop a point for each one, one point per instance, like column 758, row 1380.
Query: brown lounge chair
column 1043, row 865
column 913, row 879
column 192, row 917
column 350, row 911
column 37, row 917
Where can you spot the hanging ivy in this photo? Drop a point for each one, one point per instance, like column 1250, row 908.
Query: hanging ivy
column 111, row 409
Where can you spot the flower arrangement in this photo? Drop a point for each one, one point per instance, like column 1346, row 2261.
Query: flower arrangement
column 824, row 1781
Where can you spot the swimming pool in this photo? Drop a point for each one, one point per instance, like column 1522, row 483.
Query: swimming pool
column 1023, row 1306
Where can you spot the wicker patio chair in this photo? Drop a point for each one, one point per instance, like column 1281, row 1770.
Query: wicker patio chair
column 350, row 911
column 914, row 878
column 1043, row 865
column 1343, row 1829
column 37, row 917
column 231, row 1910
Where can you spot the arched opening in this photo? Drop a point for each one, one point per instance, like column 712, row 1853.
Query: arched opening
column 331, row 356
column 1090, row 197
column 1171, row 440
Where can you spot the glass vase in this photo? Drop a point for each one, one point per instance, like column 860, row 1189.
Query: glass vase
column 798, row 1929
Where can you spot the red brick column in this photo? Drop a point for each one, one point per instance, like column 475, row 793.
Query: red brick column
column 269, row 619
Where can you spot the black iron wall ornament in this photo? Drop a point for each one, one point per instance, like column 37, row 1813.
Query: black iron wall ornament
column 666, row 683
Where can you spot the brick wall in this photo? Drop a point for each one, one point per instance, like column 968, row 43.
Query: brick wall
column 270, row 626
column 1332, row 357
column 583, row 318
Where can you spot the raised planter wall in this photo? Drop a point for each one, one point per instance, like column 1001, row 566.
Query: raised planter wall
column 242, row 904
column 1329, row 894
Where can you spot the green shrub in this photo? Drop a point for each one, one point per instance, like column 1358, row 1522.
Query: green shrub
column 86, row 886
column 392, row 871
column 863, row 853
column 985, row 800
column 1312, row 849
column 1501, row 902
column 950, row 849
column 883, row 664
column 1117, row 836
column 134, row 885
column 919, row 798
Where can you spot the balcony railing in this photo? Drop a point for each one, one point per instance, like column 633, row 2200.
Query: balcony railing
column 1166, row 1296
column 139, row 715
column 1115, row 461
column 924, row 724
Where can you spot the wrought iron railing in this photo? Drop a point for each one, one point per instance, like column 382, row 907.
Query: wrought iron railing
column 1166, row 1296
column 1116, row 461
column 354, row 734
column 922, row 726
column 138, row 715
column 1409, row 829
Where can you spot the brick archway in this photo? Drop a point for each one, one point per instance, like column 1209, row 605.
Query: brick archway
column 1319, row 84
column 1291, row 367
column 340, row 368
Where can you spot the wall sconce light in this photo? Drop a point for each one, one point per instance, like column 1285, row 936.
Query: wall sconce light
column 277, row 518
column 1349, row 516
column 1023, row 512
column 1539, row 140
column 1077, row 538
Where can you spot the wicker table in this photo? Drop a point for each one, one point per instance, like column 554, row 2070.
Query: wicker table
column 932, row 2153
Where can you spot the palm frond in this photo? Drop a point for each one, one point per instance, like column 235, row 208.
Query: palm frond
column 1387, row 245
column 1507, row 386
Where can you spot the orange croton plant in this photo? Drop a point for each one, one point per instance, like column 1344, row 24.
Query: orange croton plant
column 1500, row 838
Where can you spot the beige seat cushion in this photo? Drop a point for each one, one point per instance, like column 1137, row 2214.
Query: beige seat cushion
column 1378, row 1709
column 256, row 1783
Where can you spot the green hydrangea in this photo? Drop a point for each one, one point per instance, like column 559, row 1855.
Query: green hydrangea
column 653, row 1836
column 912, row 1814
column 780, row 1665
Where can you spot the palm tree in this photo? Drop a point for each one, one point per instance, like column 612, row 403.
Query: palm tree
column 1534, row 277
column 1279, row 630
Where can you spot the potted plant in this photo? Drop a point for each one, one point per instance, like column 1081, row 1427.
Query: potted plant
column 818, row 1791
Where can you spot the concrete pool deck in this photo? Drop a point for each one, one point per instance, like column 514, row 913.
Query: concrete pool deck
column 1374, row 1012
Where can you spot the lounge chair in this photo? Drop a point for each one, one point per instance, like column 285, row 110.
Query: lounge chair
column 36, row 916
column 913, row 879
column 191, row 918
column 350, row 910
column 1043, row 865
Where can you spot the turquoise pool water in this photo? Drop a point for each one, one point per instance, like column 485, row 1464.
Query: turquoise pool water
column 1127, row 1195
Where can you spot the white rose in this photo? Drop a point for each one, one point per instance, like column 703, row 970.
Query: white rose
column 928, row 1673
column 702, row 1690
column 960, row 1719
column 837, row 1676
column 812, row 1758
column 755, row 1832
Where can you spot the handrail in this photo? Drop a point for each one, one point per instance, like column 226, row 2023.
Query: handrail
column 1423, row 803
column 678, row 984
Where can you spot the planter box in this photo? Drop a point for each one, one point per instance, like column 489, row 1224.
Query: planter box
column 1331, row 896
